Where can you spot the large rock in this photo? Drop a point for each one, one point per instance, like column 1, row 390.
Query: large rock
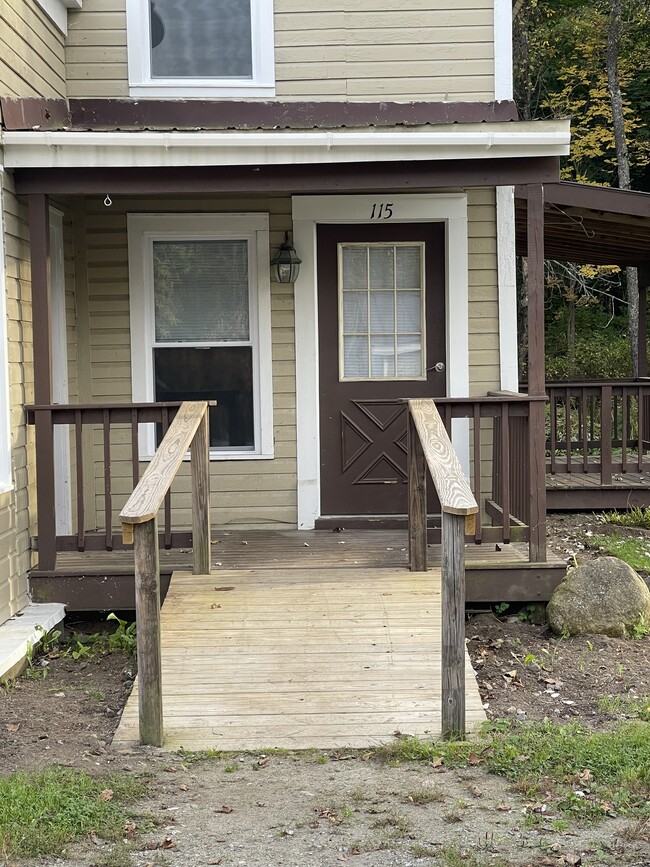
column 604, row 597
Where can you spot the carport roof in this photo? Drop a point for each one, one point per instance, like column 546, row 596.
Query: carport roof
column 590, row 224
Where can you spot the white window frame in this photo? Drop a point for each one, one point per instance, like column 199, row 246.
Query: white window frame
column 6, row 477
column 142, row 84
column 143, row 230
column 421, row 377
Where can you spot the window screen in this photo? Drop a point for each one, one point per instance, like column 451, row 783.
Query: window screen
column 201, row 39
column 201, row 300
column 381, row 311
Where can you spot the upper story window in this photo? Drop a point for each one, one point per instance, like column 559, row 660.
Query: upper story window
column 202, row 48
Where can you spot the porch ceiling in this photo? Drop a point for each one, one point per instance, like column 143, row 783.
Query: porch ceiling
column 590, row 225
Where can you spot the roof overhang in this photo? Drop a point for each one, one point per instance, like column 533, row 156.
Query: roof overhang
column 590, row 225
column 39, row 149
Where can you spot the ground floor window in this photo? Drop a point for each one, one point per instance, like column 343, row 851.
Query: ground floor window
column 200, row 321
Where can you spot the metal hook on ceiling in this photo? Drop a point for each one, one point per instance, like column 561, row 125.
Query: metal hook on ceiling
column 108, row 201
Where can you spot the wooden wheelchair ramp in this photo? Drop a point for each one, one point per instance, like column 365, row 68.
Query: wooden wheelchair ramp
column 300, row 658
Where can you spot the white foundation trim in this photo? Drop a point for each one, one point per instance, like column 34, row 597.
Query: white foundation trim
column 503, row 49
column 308, row 212
column 38, row 149
column 19, row 633
column 507, row 282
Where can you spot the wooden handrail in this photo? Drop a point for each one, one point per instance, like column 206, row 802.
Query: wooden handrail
column 147, row 498
column 139, row 525
column 429, row 447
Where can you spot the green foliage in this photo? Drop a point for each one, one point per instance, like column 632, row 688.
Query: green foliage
column 585, row 774
column 41, row 813
column 627, row 706
column 635, row 552
column 124, row 639
column 637, row 517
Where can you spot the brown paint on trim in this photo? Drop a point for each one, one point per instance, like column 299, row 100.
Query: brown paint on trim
column 404, row 176
column 34, row 113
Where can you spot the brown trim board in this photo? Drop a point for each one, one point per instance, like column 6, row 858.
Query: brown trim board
column 407, row 175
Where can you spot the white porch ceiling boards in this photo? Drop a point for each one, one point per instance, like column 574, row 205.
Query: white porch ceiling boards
column 36, row 149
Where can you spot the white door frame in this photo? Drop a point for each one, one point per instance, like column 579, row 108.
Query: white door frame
column 308, row 212
column 62, row 480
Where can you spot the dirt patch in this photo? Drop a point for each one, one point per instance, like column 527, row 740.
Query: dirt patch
column 321, row 810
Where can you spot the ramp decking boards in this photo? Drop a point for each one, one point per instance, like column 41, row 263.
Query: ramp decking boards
column 300, row 658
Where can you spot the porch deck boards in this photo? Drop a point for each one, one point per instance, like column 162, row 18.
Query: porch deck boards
column 303, row 657
column 583, row 491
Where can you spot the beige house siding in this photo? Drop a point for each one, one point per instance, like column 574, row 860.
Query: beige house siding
column 244, row 492
column 484, row 363
column 356, row 50
column 32, row 55
column 15, row 547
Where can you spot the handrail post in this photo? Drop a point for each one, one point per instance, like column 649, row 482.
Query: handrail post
column 417, row 494
column 453, row 625
column 201, row 498
column 147, row 610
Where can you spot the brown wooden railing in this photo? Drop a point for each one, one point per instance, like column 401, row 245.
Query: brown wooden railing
column 429, row 448
column 506, row 475
column 139, row 527
column 598, row 427
column 105, row 457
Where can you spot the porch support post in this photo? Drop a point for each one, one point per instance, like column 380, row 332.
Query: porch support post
column 644, row 283
column 536, row 374
column 39, row 246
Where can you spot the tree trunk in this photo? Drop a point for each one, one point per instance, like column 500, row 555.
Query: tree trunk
column 623, row 166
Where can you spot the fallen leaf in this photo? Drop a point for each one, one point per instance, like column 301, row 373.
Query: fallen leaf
column 263, row 761
column 223, row 809
column 473, row 759
column 475, row 792
column 168, row 843
column 12, row 727
column 586, row 775
column 218, row 861
column 342, row 857
column 504, row 808
column 438, row 763
column 106, row 795
column 183, row 787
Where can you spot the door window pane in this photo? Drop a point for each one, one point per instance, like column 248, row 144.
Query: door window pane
column 221, row 373
column 201, row 290
column 381, row 328
column 201, row 39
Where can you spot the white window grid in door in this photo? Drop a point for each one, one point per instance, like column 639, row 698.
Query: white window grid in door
column 384, row 344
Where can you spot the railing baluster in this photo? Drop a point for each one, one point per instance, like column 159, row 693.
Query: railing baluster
column 624, row 429
column 417, row 502
column 606, row 435
column 168, row 496
column 478, row 532
column 639, row 400
column 505, row 471
column 108, row 499
column 45, row 497
column 135, row 447
column 553, row 397
column 81, row 517
column 567, row 413
column 585, row 436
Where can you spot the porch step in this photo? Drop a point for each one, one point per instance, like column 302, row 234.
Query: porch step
column 322, row 658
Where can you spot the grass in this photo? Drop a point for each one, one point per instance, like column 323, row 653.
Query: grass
column 625, row 705
column 41, row 813
column 588, row 775
column 637, row 517
column 635, row 552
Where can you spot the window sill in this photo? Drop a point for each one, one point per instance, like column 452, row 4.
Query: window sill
column 222, row 456
column 207, row 91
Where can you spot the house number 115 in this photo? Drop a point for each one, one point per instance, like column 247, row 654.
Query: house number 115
column 382, row 211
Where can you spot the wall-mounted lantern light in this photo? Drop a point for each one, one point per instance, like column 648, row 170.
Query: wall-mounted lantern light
column 286, row 264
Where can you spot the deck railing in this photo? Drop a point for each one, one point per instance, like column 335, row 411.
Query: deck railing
column 189, row 430
column 598, row 427
column 105, row 463
column 429, row 448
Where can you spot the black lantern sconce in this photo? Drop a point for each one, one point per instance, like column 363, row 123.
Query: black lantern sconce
column 286, row 264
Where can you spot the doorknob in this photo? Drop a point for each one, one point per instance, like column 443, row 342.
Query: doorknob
column 438, row 367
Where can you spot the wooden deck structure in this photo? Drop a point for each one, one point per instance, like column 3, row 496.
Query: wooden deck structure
column 317, row 655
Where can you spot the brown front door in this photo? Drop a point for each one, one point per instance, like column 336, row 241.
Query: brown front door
column 381, row 307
